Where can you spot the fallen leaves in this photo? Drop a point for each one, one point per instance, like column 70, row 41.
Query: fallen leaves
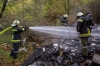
column 6, row 60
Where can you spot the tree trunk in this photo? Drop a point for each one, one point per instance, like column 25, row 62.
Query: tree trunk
column 3, row 8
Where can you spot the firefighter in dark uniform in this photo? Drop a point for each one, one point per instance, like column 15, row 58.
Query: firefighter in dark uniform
column 64, row 20
column 16, row 37
column 84, row 33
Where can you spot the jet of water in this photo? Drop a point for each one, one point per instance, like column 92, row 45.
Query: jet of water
column 61, row 31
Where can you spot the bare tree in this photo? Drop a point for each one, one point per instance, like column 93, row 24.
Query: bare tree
column 3, row 8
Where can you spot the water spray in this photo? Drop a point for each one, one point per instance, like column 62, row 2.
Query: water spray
column 66, row 32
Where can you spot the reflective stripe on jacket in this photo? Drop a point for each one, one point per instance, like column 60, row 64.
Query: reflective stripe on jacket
column 87, row 34
column 14, row 40
column 16, row 36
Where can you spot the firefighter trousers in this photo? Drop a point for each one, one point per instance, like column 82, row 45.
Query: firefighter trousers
column 84, row 41
column 14, row 50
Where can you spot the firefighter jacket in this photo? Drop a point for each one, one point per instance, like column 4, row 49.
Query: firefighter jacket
column 16, row 36
column 64, row 20
column 82, row 27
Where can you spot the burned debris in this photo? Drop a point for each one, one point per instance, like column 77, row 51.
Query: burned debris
column 65, row 53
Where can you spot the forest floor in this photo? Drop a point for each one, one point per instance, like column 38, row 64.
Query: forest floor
column 7, row 60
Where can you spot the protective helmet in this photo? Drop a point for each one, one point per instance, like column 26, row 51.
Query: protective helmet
column 65, row 15
column 79, row 14
column 15, row 22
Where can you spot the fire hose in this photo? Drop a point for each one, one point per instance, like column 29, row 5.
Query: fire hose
column 5, row 30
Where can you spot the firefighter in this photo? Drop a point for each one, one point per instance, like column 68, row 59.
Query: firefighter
column 16, row 37
column 84, row 33
column 64, row 20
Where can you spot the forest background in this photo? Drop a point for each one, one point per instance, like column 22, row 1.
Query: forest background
column 42, row 13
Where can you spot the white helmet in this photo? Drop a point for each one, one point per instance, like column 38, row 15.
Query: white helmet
column 65, row 15
column 79, row 14
column 15, row 22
